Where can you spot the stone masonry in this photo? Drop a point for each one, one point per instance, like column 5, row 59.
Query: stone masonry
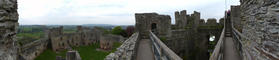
column 8, row 28
column 261, row 26
column 83, row 36
column 181, row 19
column 235, row 16
column 33, row 49
column 126, row 51
column 159, row 24
column 73, row 55
column 184, row 41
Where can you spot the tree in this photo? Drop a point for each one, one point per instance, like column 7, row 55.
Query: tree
column 118, row 31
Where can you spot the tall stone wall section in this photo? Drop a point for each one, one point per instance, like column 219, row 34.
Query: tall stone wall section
column 181, row 19
column 236, row 17
column 190, row 35
column 196, row 17
column 261, row 27
column 144, row 21
column 8, row 27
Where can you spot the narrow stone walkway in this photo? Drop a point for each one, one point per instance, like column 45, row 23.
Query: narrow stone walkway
column 144, row 51
column 230, row 52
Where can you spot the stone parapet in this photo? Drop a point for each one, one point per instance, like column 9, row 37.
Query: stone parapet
column 126, row 51
column 31, row 50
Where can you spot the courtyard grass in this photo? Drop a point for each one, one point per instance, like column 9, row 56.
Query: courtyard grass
column 48, row 54
column 90, row 52
column 86, row 52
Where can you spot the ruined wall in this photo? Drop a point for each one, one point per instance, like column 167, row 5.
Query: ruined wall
column 72, row 55
column 144, row 22
column 83, row 36
column 31, row 50
column 55, row 37
column 261, row 26
column 126, row 51
column 192, row 40
column 107, row 40
column 8, row 27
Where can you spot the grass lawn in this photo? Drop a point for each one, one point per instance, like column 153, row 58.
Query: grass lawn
column 90, row 52
column 86, row 52
column 47, row 55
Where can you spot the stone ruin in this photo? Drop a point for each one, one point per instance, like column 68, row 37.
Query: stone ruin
column 83, row 36
column 73, row 55
column 181, row 37
column 183, row 20
column 33, row 49
column 70, row 55
column 159, row 24
column 57, row 41
column 107, row 40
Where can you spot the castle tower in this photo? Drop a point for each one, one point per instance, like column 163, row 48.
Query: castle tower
column 158, row 24
column 181, row 19
column 195, row 20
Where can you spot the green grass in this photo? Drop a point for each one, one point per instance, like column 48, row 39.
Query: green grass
column 86, row 52
column 116, row 45
column 25, row 38
column 27, row 29
column 90, row 52
column 163, row 38
column 47, row 55
column 69, row 31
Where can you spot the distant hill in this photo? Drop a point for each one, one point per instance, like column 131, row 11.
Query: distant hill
column 97, row 25
column 106, row 26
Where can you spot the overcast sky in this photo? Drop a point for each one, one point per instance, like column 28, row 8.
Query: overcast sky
column 117, row 12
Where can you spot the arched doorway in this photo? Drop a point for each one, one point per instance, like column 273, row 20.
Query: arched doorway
column 154, row 28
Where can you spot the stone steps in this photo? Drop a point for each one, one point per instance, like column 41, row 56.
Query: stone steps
column 228, row 34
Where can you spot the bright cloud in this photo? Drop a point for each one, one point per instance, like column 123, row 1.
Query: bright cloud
column 119, row 12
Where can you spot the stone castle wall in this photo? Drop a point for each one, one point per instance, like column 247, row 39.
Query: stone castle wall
column 261, row 26
column 236, row 17
column 126, row 51
column 31, row 50
column 180, row 19
column 184, row 35
column 8, row 27
column 144, row 22
column 84, row 36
